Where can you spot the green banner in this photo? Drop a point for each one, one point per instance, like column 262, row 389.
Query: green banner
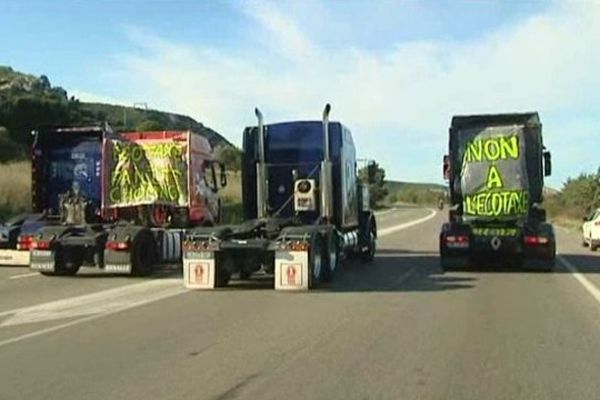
column 494, row 180
column 147, row 173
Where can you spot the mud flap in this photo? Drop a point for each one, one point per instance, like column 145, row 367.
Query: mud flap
column 199, row 270
column 14, row 257
column 43, row 261
column 292, row 270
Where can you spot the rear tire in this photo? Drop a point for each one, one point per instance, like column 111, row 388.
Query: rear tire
column 331, row 256
column 67, row 263
column 316, row 262
column 368, row 255
column 143, row 254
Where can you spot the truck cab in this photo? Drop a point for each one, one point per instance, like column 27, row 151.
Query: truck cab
column 495, row 170
column 303, row 206
column 64, row 161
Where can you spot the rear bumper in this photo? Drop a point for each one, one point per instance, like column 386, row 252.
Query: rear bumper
column 10, row 257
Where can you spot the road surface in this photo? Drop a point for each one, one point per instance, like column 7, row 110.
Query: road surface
column 395, row 329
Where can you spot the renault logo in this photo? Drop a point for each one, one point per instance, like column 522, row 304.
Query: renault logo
column 496, row 242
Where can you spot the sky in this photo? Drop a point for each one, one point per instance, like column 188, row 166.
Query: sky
column 395, row 72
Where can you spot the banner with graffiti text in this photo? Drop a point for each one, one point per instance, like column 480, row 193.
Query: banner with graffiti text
column 145, row 173
column 494, row 181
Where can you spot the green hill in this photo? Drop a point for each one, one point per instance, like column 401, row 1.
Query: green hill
column 414, row 192
column 28, row 102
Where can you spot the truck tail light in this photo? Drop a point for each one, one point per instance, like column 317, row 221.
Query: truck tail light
column 457, row 241
column 298, row 246
column 531, row 240
column 117, row 246
column 41, row 245
column 200, row 245
column 597, row 223
column 24, row 242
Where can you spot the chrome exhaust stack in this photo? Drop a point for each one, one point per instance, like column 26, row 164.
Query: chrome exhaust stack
column 261, row 170
column 326, row 170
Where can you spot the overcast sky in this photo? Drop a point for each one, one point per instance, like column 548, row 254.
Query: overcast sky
column 394, row 71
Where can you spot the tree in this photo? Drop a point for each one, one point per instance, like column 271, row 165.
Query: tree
column 9, row 150
column 377, row 189
column 149, row 125
column 230, row 156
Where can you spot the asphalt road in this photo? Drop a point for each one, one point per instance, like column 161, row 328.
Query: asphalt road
column 395, row 329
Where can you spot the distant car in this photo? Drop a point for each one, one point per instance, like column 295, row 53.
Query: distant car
column 591, row 230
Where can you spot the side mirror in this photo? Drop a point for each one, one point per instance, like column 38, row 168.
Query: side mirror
column 547, row 163
column 446, row 167
column 223, row 177
column 372, row 172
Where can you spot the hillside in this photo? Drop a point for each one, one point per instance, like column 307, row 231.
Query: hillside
column 27, row 102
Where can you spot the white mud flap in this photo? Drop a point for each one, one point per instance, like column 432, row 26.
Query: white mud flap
column 199, row 271
column 291, row 270
column 42, row 260
column 14, row 257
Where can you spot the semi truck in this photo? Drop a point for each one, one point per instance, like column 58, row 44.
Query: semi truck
column 304, row 210
column 121, row 201
column 60, row 156
column 495, row 170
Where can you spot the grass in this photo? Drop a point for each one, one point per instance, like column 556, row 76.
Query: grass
column 15, row 188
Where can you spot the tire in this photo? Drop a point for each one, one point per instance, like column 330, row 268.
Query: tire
column 368, row 255
column 222, row 277
column 584, row 242
column 67, row 263
column 143, row 254
column 593, row 246
column 315, row 262
column 332, row 256
column 245, row 275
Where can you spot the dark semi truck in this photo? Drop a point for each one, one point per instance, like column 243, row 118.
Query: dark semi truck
column 495, row 169
column 304, row 210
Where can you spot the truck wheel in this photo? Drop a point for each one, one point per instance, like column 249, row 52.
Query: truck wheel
column 222, row 277
column 143, row 254
column 332, row 256
column 67, row 263
column 315, row 261
column 369, row 254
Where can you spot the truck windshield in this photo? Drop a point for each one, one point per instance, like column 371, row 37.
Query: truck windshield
column 494, row 182
column 294, row 143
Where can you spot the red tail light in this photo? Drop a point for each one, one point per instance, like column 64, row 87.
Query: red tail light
column 24, row 242
column 597, row 223
column 117, row 246
column 457, row 239
column 535, row 240
column 41, row 244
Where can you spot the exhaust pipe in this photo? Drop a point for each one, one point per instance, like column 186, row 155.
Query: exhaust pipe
column 326, row 170
column 261, row 170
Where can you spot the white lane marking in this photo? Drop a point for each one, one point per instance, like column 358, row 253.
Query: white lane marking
column 104, row 302
column 21, row 276
column 405, row 275
column 393, row 229
column 85, row 319
column 383, row 212
column 589, row 286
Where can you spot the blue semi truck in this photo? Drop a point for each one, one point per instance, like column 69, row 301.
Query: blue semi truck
column 61, row 158
column 304, row 210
